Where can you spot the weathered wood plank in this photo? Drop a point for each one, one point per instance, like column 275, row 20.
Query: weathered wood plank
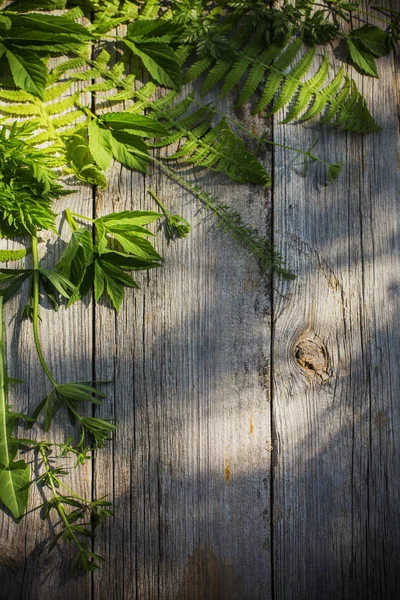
column 25, row 572
column 336, row 364
column 189, row 360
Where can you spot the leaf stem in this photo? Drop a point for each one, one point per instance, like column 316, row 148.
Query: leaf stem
column 59, row 506
column 158, row 201
column 35, row 316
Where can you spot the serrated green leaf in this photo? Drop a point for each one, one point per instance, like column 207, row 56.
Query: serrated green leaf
column 116, row 292
column 99, row 281
column 373, row 39
column 100, row 144
column 136, row 245
column 61, row 283
column 160, row 61
column 6, row 255
column 362, row 58
column 126, row 156
column 101, row 236
column 14, row 475
column 129, row 217
column 117, row 275
column 14, row 488
column 139, row 125
column 29, row 72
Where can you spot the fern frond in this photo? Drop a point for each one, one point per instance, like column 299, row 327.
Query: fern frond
column 235, row 74
column 292, row 80
column 216, row 148
column 197, row 69
column 215, row 76
column 150, row 9
column 257, row 73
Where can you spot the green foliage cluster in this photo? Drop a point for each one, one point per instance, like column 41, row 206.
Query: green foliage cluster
column 76, row 96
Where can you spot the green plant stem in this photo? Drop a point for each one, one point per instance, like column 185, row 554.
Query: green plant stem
column 78, row 216
column 59, row 505
column 35, row 316
column 158, row 201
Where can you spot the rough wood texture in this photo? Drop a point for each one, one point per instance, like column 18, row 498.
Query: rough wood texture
column 336, row 423
column 189, row 361
column 204, row 448
column 25, row 572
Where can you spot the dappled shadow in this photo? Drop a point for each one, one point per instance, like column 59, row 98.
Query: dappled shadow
column 214, row 476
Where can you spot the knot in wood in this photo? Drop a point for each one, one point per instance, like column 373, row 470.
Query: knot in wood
column 313, row 358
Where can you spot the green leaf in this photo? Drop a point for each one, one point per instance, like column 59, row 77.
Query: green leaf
column 6, row 255
column 29, row 72
column 80, row 392
column 27, row 5
column 362, row 59
column 373, row 39
column 128, row 262
column 117, row 274
column 14, row 476
column 115, row 291
column 82, row 161
column 100, row 144
column 136, row 245
column 129, row 217
column 98, row 281
column 139, row 125
column 38, row 26
column 61, row 283
column 101, row 236
column 14, row 487
column 160, row 61
column 334, row 171
column 125, row 155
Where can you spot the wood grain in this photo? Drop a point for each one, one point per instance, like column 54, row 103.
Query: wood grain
column 189, row 360
column 204, row 448
column 336, row 413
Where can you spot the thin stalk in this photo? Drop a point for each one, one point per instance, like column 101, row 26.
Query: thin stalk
column 35, row 316
column 59, row 505
column 158, row 201
column 78, row 216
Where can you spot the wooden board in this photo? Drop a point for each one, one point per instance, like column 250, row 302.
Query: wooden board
column 336, row 419
column 224, row 488
column 188, row 358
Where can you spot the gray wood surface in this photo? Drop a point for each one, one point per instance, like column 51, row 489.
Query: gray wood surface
column 336, row 419
column 223, row 486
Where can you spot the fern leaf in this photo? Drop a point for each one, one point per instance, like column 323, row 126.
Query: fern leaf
column 55, row 91
column 236, row 73
column 6, row 255
column 150, row 9
column 20, row 110
column 62, row 105
column 197, row 69
column 64, row 67
column 215, row 76
column 277, row 75
column 15, row 95
column 71, row 117
column 292, row 81
column 308, row 89
column 337, row 101
column 257, row 73
column 323, row 97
